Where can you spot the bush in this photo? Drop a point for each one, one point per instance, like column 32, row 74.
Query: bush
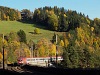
column 36, row 31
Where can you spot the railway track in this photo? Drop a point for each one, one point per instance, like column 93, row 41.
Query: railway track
column 24, row 71
column 21, row 71
column 34, row 70
column 18, row 69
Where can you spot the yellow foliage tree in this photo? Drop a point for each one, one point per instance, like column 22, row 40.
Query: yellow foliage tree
column 51, row 12
column 19, row 15
column 36, row 31
column 65, row 15
column 47, row 11
column 52, row 51
column 38, row 12
column 44, row 42
column 15, row 44
column 88, row 21
column 61, row 43
column 46, row 48
column 53, row 21
column 91, row 49
column 17, row 53
column 27, row 52
column 36, row 53
column 4, row 16
column 66, row 42
column 77, row 43
column 1, row 57
column 69, row 35
column 5, row 54
column 1, row 44
column 41, row 51
column 96, row 20
column 92, row 29
column 7, row 18
column 80, row 33
column 5, row 43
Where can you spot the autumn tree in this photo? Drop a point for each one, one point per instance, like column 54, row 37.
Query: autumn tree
column 4, row 16
column 7, row 18
column 27, row 52
column 61, row 43
column 12, row 36
column 52, row 51
column 46, row 48
column 1, row 44
column 53, row 21
column 41, row 51
column 1, row 57
column 19, row 15
column 43, row 47
column 9, row 13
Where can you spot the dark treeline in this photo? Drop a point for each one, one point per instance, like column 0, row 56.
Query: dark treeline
column 59, row 19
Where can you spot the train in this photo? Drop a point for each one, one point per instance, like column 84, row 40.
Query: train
column 39, row 61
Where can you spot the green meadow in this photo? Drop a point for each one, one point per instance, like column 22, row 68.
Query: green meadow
column 14, row 26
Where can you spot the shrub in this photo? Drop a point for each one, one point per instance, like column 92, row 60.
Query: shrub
column 36, row 31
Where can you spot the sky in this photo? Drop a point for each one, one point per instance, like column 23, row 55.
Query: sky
column 88, row 7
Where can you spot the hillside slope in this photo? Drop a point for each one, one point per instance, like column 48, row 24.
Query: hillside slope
column 9, row 26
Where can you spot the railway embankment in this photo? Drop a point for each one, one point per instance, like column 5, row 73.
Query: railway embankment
column 35, row 70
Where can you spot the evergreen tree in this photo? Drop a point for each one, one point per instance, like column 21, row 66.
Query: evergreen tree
column 22, row 36
column 63, row 24
column 66, row 61
column 74, row 57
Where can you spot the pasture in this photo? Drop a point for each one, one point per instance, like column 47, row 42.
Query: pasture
column 9, row 26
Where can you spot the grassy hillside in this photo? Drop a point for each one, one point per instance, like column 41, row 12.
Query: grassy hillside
column 8, row 26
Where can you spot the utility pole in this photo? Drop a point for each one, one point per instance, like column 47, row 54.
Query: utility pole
column 56, row 39
column 32, row 51
column 3, row 53
column 56, row 52
column 20, row 50
column 31, row 47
